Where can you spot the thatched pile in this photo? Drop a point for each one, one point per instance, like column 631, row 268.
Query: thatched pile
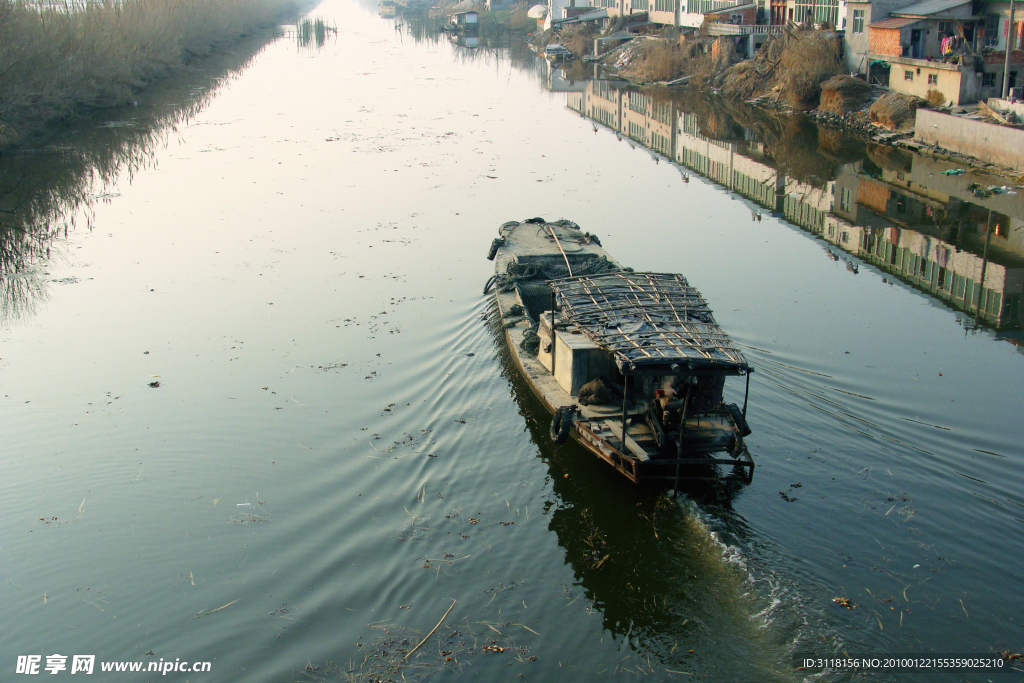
column 895, row 110
column 743, row 80
column 644, row 59
column 843, row 94
column 809, row 59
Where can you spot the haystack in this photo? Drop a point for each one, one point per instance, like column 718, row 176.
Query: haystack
column 843, row 94
column 896, row 110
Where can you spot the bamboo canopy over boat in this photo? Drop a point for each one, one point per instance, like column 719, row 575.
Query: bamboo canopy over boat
column 650, row 322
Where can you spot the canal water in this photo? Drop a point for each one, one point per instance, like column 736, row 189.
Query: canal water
column 256, row 412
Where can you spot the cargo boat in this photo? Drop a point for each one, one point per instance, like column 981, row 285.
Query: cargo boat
column 632, row 365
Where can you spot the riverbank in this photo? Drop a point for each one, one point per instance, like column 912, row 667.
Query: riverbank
column 57, row 62
column 800, row 70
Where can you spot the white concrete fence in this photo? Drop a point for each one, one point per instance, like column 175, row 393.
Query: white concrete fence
column 986, row 141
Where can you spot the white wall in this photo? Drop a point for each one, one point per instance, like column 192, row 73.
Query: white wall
column 985, row 141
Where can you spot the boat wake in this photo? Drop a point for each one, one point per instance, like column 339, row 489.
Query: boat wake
column 785, row 619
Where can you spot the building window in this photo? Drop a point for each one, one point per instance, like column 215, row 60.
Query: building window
column 844, row 201
column 638, row 102
column 988, row 80
column 992, row 29
column 933, row 79
column 858, row 21
column 908, row 75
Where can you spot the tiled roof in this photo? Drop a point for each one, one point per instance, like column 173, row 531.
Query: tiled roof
column 929, row 7
column 894, row 22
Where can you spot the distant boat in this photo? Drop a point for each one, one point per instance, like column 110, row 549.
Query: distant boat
column 463, row 22
column 557, row 53
column 639, row 362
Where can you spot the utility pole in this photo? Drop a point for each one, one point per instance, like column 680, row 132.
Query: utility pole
column 1009, row 49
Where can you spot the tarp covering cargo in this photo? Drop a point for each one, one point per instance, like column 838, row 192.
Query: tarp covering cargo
column 649, row 322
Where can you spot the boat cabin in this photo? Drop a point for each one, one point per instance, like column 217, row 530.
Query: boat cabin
column 645, row 347
column 578, row 359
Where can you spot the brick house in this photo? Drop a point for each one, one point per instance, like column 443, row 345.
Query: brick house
column 860, row 14
column 928, row 49
column 901, row 45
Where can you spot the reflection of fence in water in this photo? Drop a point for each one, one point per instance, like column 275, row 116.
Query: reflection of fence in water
column 761, row 168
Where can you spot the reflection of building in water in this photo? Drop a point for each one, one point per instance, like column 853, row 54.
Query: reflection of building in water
column 648, row 121
column 938, row 268
column 602, row 102
column 558, row 81
column 464, row 39
column 899, row 214
column 743, row 165
column 933, row 239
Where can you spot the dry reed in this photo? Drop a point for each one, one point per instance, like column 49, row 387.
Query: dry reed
column 58, row 59
column 51, row 186
column 936, row 97
column 658, row 60
column 578, row 39
column 808, row 60
column 789, row 68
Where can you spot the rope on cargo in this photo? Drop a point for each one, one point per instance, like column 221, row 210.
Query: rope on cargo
column 517, row 272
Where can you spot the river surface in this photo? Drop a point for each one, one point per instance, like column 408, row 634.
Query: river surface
column 254, row 409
